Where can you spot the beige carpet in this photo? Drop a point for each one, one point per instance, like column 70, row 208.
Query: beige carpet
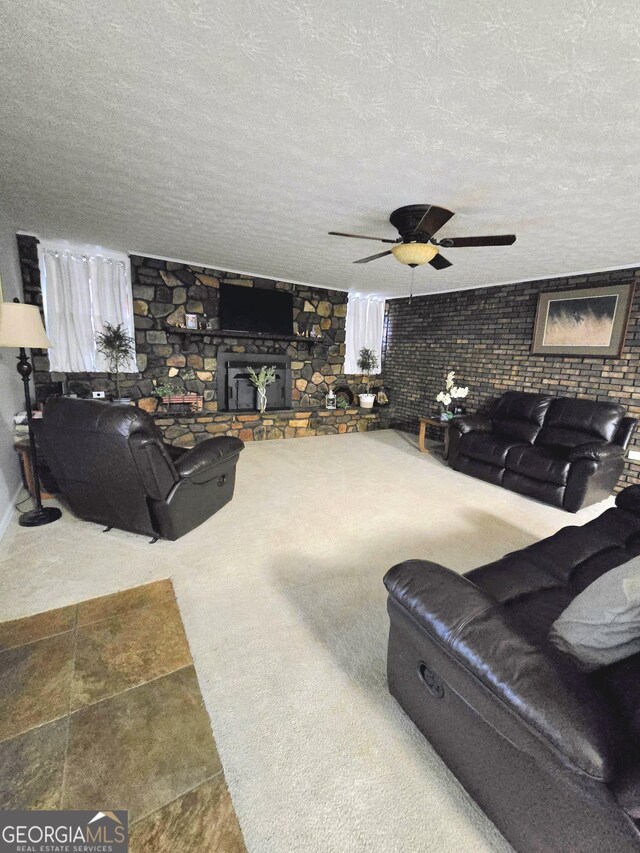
column 282, row 599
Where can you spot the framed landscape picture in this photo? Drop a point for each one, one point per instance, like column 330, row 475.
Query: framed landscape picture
column 592, row 321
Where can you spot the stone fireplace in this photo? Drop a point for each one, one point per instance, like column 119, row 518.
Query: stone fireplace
column 236, row 392
column 212, row 363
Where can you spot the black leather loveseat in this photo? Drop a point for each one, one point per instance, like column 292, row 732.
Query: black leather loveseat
column 565, row 452
column 552, row 755
column 112, row 467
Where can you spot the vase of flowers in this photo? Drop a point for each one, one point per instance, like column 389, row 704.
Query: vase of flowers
column 265, row 376
column 452, row 392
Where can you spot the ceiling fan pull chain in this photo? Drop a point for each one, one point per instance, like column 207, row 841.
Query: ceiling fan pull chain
column 413, row 275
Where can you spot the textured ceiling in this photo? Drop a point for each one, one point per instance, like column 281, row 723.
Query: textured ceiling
column 238, row 133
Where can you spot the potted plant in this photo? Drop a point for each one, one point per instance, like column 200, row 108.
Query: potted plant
column 265, row 377
column 118, row 348
column 367, row 363
column 451, row 392
column 165, row 390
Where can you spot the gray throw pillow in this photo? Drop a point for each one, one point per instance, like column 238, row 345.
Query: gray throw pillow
column 602, row 624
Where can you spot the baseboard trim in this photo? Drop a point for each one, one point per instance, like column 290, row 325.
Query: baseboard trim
column 7, row 516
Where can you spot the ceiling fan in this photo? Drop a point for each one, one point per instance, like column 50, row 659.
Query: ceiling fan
column 416, row 224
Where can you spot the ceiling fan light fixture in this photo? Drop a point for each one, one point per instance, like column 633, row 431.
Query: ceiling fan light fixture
column 414, row 254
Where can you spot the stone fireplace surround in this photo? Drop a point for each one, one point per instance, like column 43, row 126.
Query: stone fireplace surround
column 163, row 291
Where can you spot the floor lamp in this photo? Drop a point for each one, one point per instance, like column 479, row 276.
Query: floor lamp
column 21, row 327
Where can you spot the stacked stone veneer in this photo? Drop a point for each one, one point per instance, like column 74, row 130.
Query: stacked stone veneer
column 485, row 336
column 248, row 426
column 163, row 291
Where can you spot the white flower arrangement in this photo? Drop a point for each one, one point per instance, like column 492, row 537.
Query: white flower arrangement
column 451, row 392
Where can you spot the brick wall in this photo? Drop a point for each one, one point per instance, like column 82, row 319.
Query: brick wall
column 485, row 336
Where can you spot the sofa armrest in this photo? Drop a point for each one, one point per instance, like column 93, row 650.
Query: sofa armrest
column 553, row 701
column 597, row 451
column 629, row 499
column 174, row 451
column 201, row 462
column 471, row 423
column 625, row 431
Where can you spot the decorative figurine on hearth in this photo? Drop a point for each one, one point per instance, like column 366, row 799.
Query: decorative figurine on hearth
column 330, row 399
column 381, row 397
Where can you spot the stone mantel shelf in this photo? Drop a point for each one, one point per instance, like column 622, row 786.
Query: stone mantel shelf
column 243, row 414
column 255, row 336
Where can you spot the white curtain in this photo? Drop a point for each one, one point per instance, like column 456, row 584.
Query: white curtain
column 83, row 288
column 365, row 324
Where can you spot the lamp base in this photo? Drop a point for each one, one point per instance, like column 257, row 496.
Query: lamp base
column 37, row 517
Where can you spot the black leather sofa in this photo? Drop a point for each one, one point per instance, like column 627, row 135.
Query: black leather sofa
column 113, row 467
column 552, row 755
column 563, row 451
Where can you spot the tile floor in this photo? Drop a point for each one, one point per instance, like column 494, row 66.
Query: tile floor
column 100, row 708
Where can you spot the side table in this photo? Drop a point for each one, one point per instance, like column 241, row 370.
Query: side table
column 22, row 448
column 437, row 424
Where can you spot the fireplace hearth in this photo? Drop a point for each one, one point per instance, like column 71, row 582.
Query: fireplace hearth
column 236, row 392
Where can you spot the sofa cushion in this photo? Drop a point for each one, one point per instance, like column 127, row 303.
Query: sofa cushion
column 602, row 624
column 519, row 415
column 487, row 447
column 574, row 555
column 539, row 490
column 569, row 423
column 539, row 463
column 479, row 469
column 533, row 615
column 537, row 583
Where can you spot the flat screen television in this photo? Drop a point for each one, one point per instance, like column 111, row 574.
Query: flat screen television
column 250, row 309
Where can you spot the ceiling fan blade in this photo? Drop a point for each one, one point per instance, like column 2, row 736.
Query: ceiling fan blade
column 440, row 263
column 361, row 237
column 497, row 240
column 433, row 220
column 372, row 257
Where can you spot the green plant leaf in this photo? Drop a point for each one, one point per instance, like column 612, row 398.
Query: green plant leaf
column 266, row 376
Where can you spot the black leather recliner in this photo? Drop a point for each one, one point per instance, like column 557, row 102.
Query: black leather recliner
column 563, row 451
column 551, row 754
column 113, row 467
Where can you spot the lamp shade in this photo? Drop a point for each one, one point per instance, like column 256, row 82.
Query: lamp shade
column 21, row 326
column 414, row 253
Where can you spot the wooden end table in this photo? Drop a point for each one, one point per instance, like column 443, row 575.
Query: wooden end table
column 22, row 448
column 437, row 424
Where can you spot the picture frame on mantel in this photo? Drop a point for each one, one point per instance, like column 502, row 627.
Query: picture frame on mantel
column 588, row 322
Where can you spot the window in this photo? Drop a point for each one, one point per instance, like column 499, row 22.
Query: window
column 83, row 288
column 365, row 324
